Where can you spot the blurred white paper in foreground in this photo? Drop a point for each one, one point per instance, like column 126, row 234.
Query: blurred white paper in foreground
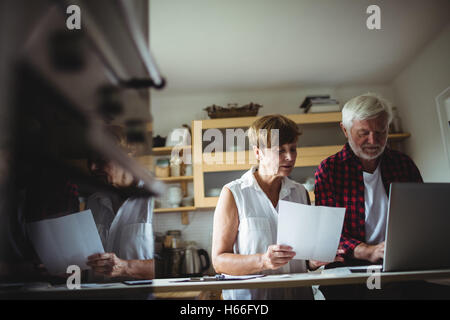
column 65, row 241
column 312, row 232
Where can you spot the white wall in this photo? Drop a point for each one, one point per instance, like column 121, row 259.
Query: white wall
column 416, row 88
column 173, row 110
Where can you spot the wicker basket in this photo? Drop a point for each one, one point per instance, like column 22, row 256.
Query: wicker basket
column 233, row 111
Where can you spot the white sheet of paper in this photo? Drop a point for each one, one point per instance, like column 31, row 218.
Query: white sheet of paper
column 65, row 241
column 313, row 232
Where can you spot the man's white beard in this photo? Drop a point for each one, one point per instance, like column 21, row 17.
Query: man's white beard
column 360, row 153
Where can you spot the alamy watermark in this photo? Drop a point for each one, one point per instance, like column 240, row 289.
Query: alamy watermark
column 73, row 21
column 74, row 280
column 374, row 280
column 227, row 147
column 373, row 22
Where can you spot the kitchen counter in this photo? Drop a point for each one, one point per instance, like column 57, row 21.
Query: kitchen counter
column 120, row 290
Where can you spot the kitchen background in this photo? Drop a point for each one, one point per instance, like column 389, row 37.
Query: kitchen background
column 409, row 68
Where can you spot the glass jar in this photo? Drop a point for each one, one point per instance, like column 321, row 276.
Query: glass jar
column 175, row 239
column 174, row 196
column 162, row 169
column 175, row 166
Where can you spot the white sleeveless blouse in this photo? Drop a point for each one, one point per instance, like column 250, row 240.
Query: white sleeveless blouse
column 258, row 221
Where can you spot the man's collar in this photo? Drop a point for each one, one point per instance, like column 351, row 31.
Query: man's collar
column 347, row 153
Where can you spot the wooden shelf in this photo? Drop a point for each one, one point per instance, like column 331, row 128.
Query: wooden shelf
column 210, row 202
column 242, row 122
column 177, row 209
column 243, row 160
column 310, row 118
column 161, row 151
column 298, row 118
column 176, row 179
column 398, row 136
column 183, row 180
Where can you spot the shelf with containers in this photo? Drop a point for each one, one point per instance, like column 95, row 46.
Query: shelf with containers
column 182, row 180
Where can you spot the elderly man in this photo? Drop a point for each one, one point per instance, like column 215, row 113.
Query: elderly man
column 358, row 178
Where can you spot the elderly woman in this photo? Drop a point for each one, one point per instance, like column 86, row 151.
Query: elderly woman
column 245, row 220
column 125, row 225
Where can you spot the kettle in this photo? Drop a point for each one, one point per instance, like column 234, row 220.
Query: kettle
column 196, row 261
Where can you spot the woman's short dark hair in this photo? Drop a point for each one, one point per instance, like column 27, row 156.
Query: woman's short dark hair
column 262, row 130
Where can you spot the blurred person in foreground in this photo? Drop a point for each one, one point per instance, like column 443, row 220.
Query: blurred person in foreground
column 124, row 223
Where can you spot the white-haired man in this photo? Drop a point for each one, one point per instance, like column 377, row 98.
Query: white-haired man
column 358, row 177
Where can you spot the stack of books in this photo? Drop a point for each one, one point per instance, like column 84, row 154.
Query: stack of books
column 319, row 103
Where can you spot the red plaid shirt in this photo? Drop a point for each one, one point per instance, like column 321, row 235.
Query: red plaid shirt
column 340, row 183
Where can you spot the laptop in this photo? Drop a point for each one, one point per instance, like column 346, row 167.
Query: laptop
column 418, row 227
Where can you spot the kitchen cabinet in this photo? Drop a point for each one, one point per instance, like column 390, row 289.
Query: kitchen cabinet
column 219, row 167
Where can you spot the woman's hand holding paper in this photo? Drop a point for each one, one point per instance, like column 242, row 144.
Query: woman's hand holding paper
column 277, row 256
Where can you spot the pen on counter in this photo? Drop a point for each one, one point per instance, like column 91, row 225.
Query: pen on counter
column 218, row 277
column 208, row 278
